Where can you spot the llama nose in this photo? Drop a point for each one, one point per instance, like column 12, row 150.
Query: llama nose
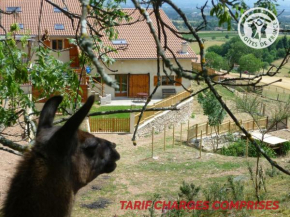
column 114, row 145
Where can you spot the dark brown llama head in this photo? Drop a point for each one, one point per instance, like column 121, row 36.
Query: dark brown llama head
column 76, row 155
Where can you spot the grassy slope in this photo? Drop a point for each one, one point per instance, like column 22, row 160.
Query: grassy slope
column 138, row 177
column 285, row 70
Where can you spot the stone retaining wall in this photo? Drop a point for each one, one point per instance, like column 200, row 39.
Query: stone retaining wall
column 167, row 118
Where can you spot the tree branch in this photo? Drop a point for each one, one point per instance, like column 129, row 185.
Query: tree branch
column 13, row 145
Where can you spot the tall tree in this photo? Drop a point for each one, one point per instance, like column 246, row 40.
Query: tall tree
column 213, row 110
column 250, row 63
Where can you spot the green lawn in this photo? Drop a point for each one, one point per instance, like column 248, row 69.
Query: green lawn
column 97, row 108
column 225, row 93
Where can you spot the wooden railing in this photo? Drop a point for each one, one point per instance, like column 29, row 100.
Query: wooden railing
column 226, row 127
column 172, row 100
column 99, row 86
column 109, row 124
column 83, row 75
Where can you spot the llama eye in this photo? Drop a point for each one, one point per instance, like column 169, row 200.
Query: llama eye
column 90, row 145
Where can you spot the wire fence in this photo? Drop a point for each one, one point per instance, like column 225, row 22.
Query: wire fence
column 226, row 127
column 182, row 134
column 276, row 93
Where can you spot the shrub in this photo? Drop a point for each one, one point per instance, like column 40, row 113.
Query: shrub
column 285, row 148
column 238, row 149
column 192, row 115
column 272, row 172
column 228, row 191
column 254, row 153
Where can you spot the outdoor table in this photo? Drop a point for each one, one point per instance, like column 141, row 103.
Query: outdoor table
column 142, row 95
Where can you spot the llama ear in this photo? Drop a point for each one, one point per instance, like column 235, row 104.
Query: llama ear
column 72, row 125
column 48, row 112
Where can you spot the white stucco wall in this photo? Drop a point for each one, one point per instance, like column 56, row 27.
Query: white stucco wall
column 62, row 56
column 144, row 67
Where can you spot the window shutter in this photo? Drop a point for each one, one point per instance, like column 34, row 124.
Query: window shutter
column 178, row 79
column 66, row 43
column 47, row 43
column 155, row 80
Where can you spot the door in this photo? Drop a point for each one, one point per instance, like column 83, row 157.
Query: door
column 122, row 80
column 138, row 84
column 73, row 54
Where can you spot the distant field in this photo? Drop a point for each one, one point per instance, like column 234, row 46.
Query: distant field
column 220, row 35
column 217, row 34
column 207, row 36
column 285, row 70
column 195, row 46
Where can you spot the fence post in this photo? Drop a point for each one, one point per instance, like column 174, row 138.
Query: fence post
column 253, row 124
column 206, row 130
column 181, row 134
column 173, row 137
column 247, row 148
column 132, row 122
column 114, row 123
column 164, row 137
column 264, row 109
column 152, row 140
column 229, row 126
column 89, row 126
column 188, row 132
column 200, row 144
column 196, row 130
column 267, row 121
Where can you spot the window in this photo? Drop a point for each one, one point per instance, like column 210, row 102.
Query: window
column 122, row 80
column 57, row 10
column 21, row 26
column 13, row 9
column 58, row 26
column 119, row 41
column 57, row 44
column 166, row 81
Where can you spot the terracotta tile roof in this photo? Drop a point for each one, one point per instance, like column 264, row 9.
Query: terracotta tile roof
column 140, row 42
column 29, row 16
column 196, row 59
